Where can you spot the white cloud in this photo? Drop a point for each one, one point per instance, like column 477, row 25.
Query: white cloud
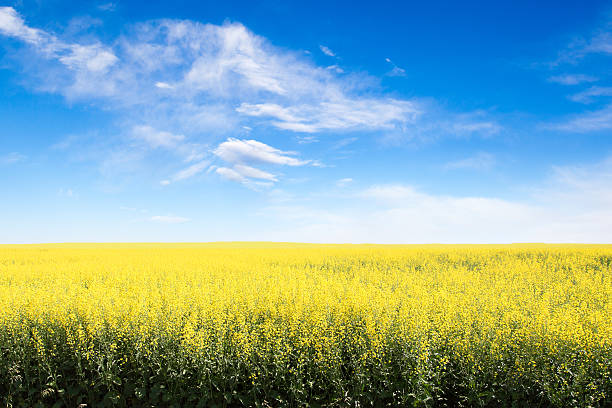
column 134, row 209
column 246, row 176
column 230, row 174
column 306, row 139
column 190, row 171
column 156, row 138
column 582, row 187
column 107, row 6
column 600, row 43
column 164, row 182
column 86, row 60
column 199, row 82
column 238, row 61
column 600, row 119
column 392, row 193
column 480, row 161
column 163, row 85
column 337, row 114
column 12, row 25
column 11, row 158
column 591, row 121
column 572, row 79
column 469, row 127
column 252, row 151
column 240, row 154
column 336, row 68
column 589, row 95
column 254, row 173
column 93, row 58
column 344, row 182
column 211, row 69
column 67, row 193
column 325, row 50
column 421, row 217
column 169, row 219
column 574, row 205
column 395, row 71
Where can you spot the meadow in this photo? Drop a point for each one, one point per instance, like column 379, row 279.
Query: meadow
column 262, row 324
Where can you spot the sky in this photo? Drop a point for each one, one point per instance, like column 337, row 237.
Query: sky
column 345, row 122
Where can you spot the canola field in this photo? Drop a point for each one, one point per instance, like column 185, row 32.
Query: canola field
column 261, row 324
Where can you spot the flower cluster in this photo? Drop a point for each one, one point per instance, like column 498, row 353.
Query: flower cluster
column 295, row 324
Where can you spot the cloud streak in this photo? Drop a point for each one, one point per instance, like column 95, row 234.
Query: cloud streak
column 325, row 50
column 598, row 43
column 395, row 71
column 591, row 121
column 11, row 158
column 591, row 94
column 480, row 161
column 156, row 138
column 169, row 219
column 572, row 79
column 336, row 114
column 191, row 171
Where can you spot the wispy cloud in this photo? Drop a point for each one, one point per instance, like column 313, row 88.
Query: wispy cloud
column 590, row 95
column 93, row 58
column 182, row 85
column 325, row 50
column 156, row 138
column 189, row 172
column 67, row 192
column 242, row 174
column 395, row 71
column 572, row 79
column 344, row 182
column 254, row 173
column 12, row 25
column 169, row 219
column 599, row 42
column 133, row 209
column 306, row 139
column 337, row 114
column 230, row 174
column 190, row 76
column 107, row 6
column 591, row 121
column 248, row 176
column 11, row 158
column 336, row 68
column 480, row 161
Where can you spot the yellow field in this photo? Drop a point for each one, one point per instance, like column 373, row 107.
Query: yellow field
column 296, row 324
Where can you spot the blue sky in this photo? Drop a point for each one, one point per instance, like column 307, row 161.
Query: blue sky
column 477, row 122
